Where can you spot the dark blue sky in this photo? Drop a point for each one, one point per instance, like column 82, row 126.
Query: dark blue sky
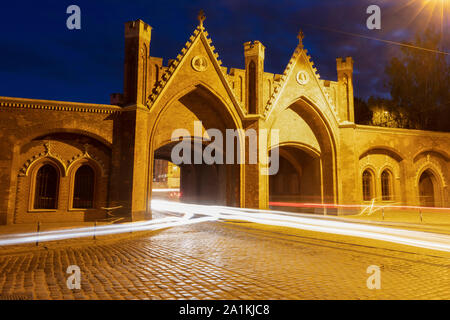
column 41, row 58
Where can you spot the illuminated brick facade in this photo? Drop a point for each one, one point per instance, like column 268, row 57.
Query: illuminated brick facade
column 324, row 154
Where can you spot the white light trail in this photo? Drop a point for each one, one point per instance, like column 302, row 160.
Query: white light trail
column 193, row 213
column 420, row 239
column 22, row 238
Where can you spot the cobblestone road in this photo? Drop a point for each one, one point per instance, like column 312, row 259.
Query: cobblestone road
column 225, row 261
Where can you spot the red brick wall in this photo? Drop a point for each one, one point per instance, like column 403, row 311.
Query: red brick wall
column 24, row 130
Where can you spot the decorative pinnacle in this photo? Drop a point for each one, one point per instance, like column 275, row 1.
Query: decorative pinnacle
column 300, row 36
column 201, row 17
column 47, row 147
column 86, row 148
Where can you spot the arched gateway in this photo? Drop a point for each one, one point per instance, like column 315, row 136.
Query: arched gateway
column 195, row 111
column 195, row 88
column 307, row 156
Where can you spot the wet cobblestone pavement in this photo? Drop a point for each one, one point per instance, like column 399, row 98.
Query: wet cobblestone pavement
column 226, row 261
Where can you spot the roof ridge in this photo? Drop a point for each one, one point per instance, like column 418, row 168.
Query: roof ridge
column 322, row 86
column 277, row 88
column 172, row 66
column 199, row 30
column 279, row 84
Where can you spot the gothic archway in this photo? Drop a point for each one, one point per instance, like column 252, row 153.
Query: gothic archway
column 204, row 119
column 315, row 136
column 429, row 189
column 299, row 178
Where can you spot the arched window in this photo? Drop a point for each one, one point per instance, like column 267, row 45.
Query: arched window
column 427, row 184
column 83, row 193
column 386, row 185
column 367, row 184
column 156, row 73
column 241, row 88
column 46, row 188
column 252, row 88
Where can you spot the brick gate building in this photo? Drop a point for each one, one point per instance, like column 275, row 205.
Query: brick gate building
column 64, row 161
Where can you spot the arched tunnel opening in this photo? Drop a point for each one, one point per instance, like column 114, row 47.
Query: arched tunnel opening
column 207, row 184
column 298, row 180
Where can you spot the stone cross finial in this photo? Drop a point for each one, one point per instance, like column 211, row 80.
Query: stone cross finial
column 201, row 17
column 300, row 36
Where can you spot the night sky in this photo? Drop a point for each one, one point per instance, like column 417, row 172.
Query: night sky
column 41, row 58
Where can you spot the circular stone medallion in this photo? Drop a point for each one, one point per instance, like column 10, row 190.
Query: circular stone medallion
column 199, row 63
column 302, row 77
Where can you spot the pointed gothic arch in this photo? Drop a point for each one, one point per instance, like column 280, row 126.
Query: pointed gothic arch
column 199, row 103
column 368, row 183
column 326, row 140
column 430, row 186
column 299, row 178
column 45, row 175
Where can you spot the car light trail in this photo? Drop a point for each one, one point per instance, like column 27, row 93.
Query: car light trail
column 323, row 224
column 22, row 238
column 193, row 213
column 411, row 238
column 350, row 206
